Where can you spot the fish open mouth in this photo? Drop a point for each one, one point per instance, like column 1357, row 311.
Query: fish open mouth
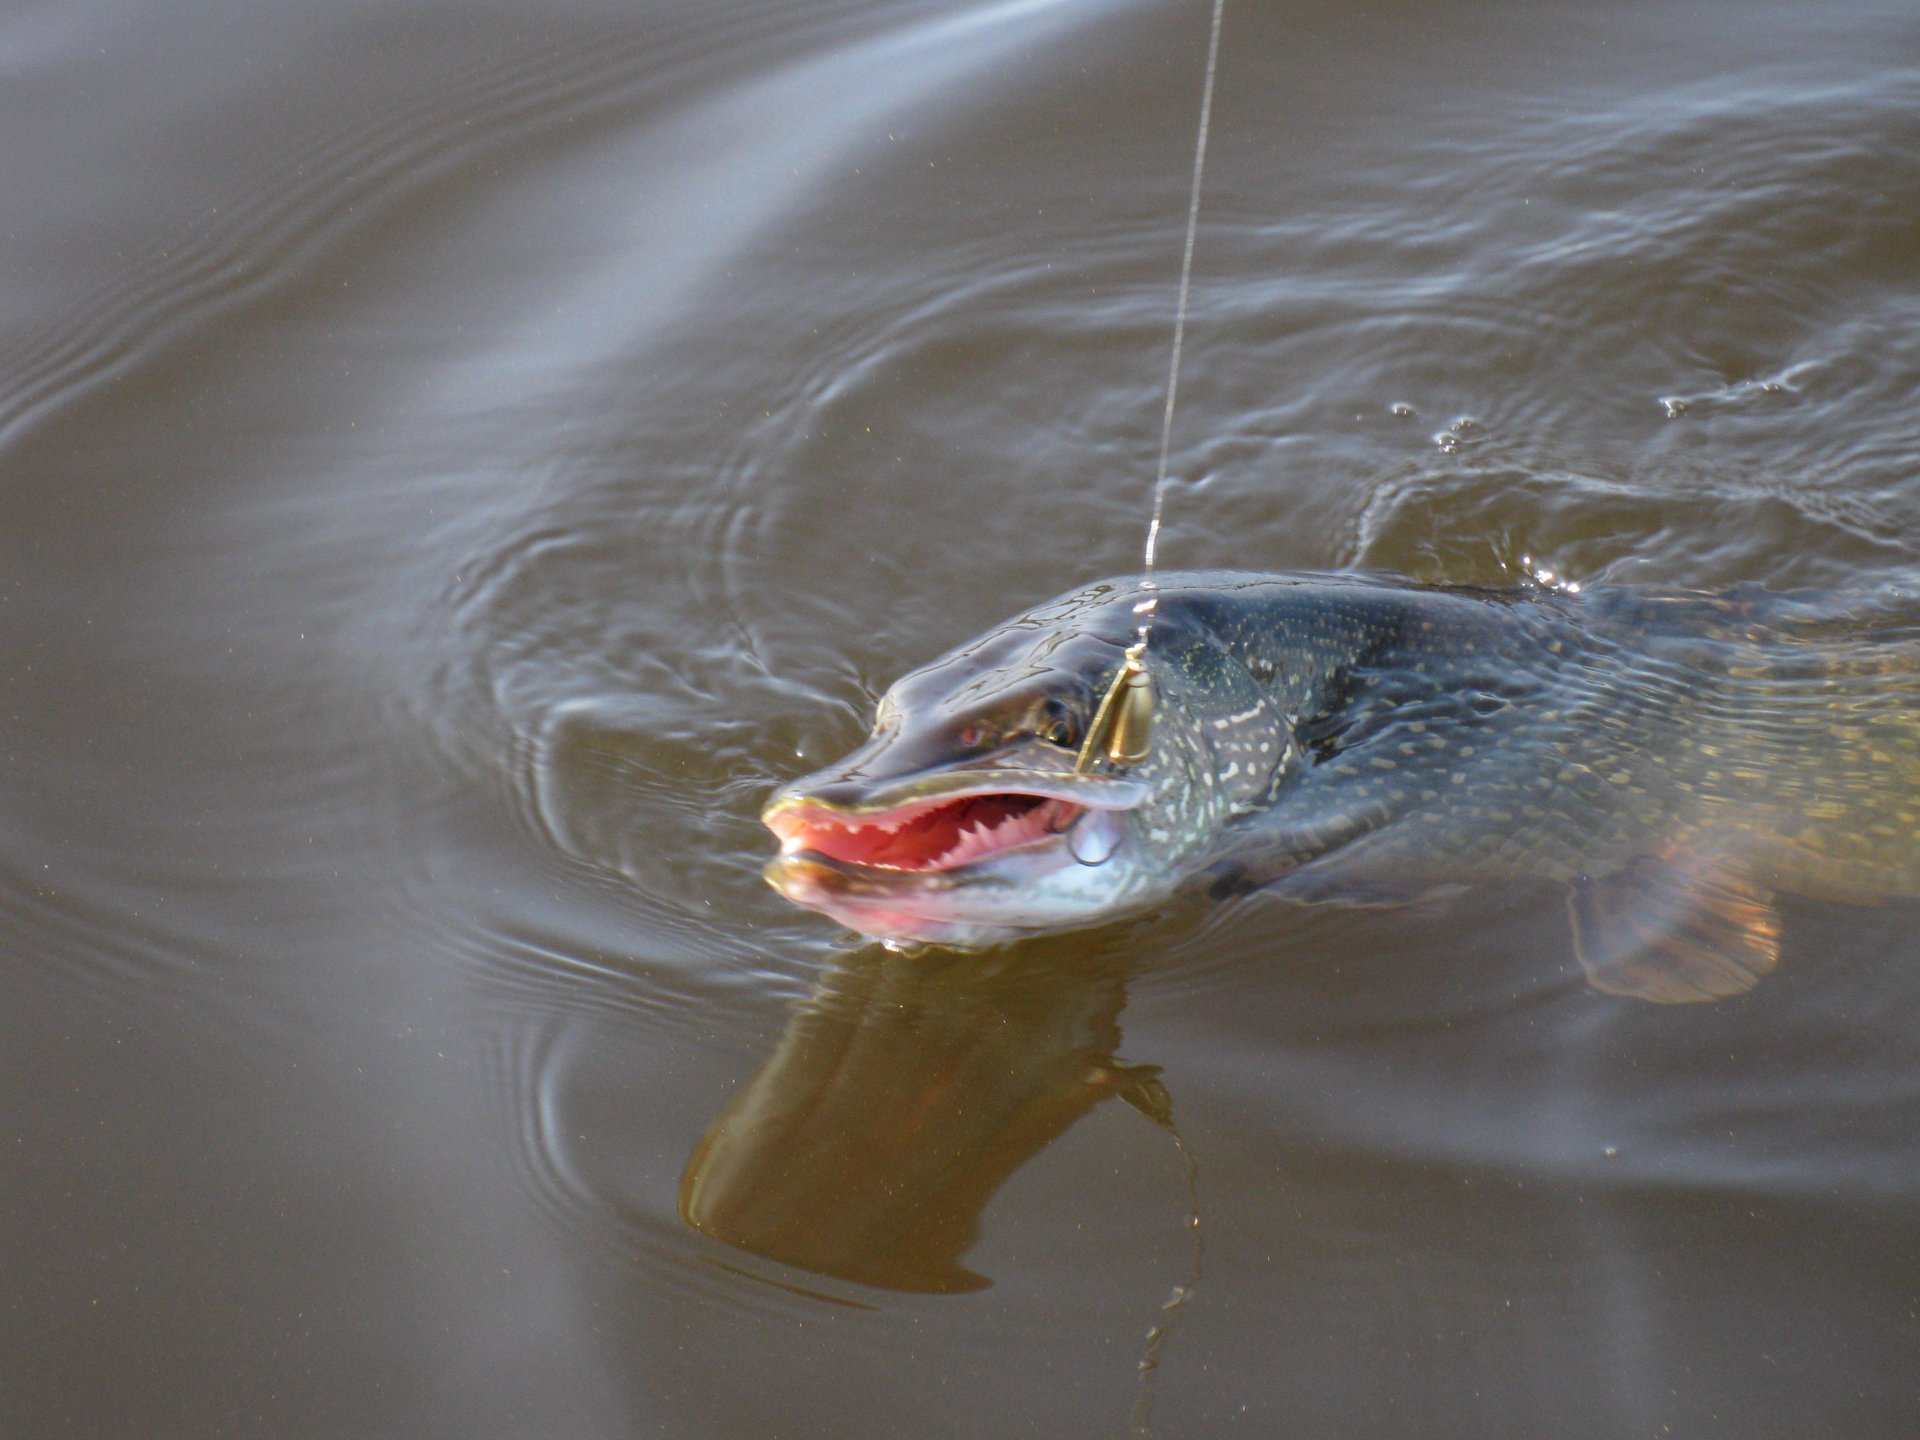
column 923, row 837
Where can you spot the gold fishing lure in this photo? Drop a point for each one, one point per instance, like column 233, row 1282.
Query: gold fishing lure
column 1122, row 729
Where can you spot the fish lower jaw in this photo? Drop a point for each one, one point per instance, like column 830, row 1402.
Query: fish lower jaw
column 922, row 911
column 891, row 906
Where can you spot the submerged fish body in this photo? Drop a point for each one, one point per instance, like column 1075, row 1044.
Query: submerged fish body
column 1672, row 758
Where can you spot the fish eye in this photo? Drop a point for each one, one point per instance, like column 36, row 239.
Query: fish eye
column 1060, row 732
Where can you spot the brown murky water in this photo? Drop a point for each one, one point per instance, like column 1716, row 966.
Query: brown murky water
column 457, row 460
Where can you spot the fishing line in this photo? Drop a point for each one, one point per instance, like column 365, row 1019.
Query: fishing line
column 1122, row 726
column 1147, row 607
column 1153, row 1100
column 1150, row 1098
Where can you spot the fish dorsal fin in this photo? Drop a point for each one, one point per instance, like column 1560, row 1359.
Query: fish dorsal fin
column 1675, row 931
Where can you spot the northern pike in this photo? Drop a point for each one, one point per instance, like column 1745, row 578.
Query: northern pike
column 1673, row 759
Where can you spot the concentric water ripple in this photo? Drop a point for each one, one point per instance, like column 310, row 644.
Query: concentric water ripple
column 459, row 470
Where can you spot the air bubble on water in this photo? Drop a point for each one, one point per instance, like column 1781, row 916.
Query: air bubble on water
column 1735, row 393
column 1451, row 438
column 1400, row 410
column 1547, row 576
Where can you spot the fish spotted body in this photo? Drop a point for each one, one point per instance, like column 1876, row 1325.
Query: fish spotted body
column 1674, row 759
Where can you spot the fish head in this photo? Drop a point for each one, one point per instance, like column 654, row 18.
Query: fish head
column 980, row 810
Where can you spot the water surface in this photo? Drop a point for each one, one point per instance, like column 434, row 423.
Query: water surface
column 457, row 462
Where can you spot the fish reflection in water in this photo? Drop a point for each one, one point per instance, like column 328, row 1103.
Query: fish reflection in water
column 900, row 1098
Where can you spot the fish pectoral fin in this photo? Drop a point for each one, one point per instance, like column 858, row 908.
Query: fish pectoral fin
column 1142, row 1088
column 1675, row 931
